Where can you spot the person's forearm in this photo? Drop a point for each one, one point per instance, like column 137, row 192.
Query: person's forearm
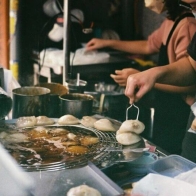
column 175, row 89
column 134, row 47
column 180, row 73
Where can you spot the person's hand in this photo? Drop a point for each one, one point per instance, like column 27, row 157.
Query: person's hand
column 139, row 84
column 95, row 43
column 122, row 75
column 189, row 99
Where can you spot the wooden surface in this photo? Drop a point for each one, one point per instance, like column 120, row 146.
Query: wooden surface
column 4, row 33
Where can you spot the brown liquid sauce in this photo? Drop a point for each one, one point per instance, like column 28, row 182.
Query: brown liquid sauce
column 45, row 145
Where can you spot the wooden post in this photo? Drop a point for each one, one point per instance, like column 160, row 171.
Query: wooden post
column 4, row 33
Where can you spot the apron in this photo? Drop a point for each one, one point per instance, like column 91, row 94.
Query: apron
column 171, row 111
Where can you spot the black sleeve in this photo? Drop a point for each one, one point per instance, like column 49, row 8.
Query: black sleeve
column 192, row 48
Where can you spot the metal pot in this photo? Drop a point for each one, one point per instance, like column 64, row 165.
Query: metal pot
column 112, row 104
column 75, row 87
column 76, row 104
column 30, row 101
column 55, row 91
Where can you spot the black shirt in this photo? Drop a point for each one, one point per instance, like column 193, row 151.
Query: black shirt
column 192, row 48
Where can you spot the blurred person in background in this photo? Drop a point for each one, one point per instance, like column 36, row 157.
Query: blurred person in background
column 170, row 40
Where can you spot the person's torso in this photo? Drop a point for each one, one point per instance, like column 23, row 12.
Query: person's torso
column 179, row 40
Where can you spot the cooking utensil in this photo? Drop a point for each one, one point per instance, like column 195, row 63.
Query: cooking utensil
column 55, row 91
column 76, row 104
column 138, row 111
column 76, row 85
column 30, row 101
column 139, row 150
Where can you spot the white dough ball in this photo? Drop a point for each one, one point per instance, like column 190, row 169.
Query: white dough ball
column 68, row 120
column 26, row 121
column 44, row 120
column 128, row 138
column 104, row 125
column 88, row 121
column 83, row 190
column 134, row 126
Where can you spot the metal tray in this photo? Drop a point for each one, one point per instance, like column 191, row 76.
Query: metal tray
column 50, row 183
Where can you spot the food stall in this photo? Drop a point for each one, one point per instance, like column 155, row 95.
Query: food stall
column 58, row 153
column 62, row 155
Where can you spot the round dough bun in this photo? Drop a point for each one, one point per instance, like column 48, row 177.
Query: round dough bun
column 88, row 121
column 104, row 125
column 83, row 190
column 68, row 120
column 134, row 126
column 127, row 138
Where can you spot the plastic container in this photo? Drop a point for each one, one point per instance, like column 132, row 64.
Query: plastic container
column 13, row 180
column 171, row 166
column 142, row 164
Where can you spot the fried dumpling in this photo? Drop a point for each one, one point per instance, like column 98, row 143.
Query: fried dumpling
column 88, row 121
column 68, row 120
column 44, row 120
column 83, row 190
column 26, row 121
column 89, row 140
column 77, row 150
column 104, row 125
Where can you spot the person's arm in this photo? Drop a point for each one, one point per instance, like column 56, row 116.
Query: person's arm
column 134, row 47
column 182, row 73
column 175, row 89
column 120, row 77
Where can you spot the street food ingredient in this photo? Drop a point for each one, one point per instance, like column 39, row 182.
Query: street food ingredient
column 89, row 140
column 77, row 150
column 104, row 125
column 83, row 190
column 134, row 126
column 44, row 120
column 47, row 144
column 26, row 121
column 127, row 138
column 68, row 120
column 88, row 121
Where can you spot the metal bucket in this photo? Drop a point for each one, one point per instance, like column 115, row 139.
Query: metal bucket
column 30, row 101
column 55, row 91
column 76, row 104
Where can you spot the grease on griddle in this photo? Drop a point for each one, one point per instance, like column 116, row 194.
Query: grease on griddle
column 44, row 145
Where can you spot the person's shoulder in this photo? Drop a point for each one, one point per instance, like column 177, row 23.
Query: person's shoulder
column 166, row 24
column 188, row 20
column 167, row 21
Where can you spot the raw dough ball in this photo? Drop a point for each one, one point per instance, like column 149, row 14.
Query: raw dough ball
column 83, row 190
column 68, row 120
column 44, row 120
column 26, row 121
column 104, row 125
column 127, row 138
column 88, row 121
column 134, row 126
